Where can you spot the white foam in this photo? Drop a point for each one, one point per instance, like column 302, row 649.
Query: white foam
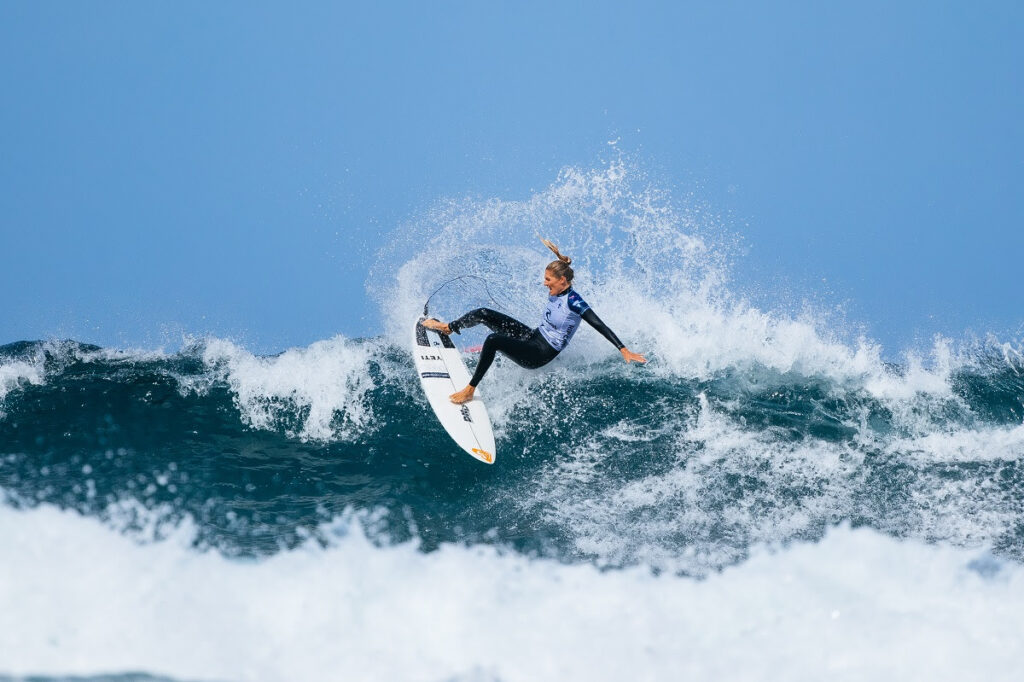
column 81, row 599
column 724, row 485
column 14, row 374
column 326, row 384
column 645, row 518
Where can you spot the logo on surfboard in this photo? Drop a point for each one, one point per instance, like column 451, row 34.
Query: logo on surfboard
column 484, row 455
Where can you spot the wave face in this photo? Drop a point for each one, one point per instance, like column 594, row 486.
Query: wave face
column 606, row 464
column 748, row 429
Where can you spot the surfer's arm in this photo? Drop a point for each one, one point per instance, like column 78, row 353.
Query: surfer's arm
column 591, row 318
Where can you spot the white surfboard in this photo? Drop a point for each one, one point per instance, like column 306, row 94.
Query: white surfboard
column 442, row 372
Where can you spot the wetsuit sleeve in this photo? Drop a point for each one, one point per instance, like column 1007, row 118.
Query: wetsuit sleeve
column 594, row 321
column 577, row 304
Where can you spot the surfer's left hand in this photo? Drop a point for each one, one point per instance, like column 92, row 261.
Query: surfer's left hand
column 629, row 356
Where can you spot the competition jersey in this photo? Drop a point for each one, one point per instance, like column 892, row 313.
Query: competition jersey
column 562, row 318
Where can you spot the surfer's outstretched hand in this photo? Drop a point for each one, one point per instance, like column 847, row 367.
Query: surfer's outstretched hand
column 437, row 326
column 629, row 356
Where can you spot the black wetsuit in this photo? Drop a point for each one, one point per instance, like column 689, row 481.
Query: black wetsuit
column 532, row 348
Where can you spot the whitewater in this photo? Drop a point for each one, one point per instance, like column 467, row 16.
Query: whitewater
column 769, row 498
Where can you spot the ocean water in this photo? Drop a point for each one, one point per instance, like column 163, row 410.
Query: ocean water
column 767, row 499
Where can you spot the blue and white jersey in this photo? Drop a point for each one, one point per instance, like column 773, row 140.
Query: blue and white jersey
column 562, row 318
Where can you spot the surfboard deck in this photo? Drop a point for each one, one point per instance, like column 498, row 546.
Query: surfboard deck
column 442, row 372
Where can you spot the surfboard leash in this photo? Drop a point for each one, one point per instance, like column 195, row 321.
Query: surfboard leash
column 426, row 304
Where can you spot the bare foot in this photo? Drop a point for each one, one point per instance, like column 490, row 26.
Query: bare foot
column 463, row 396
column 436, row 325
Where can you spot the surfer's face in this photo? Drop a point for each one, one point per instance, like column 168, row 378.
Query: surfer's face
column 555, row 285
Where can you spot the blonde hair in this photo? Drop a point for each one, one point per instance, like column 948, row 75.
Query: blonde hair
column 560, row 267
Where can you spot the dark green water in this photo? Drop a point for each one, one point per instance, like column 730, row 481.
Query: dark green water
column 598, row 465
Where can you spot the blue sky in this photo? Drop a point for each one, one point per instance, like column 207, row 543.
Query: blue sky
column 229, row 167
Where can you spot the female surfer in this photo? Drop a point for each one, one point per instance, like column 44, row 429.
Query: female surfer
column 532, row 348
